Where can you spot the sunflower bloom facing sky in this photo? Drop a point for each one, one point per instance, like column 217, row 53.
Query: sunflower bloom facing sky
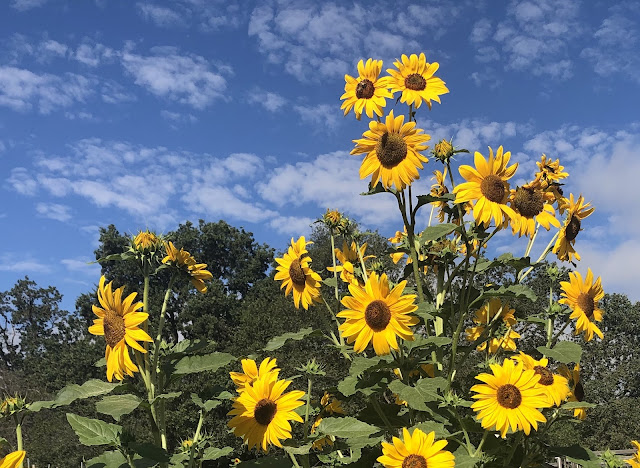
column 487, row 187
column 504, row 336
column 510, row 397
column 577, row 211
column 392, row 152
column 185, row 262
column 13, row 460
column 297, row 276
column 118, row 322
column 262, row 411
column 549, row 171
column 555, row 386
column 533, row 206
column 367, row 92
column 379, row 315
column 416, row 450
column 414, row 78
column 250, row 372
column 582, row 297
column 576, row 390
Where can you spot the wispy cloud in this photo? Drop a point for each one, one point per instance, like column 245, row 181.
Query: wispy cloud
column 271, row 101
column 22, row 263
column 24, row 5
column 160, row 16
column 54, row 211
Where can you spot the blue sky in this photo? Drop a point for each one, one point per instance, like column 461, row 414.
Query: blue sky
column 147, row 114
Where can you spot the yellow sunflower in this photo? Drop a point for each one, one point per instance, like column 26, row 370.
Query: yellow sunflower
column 549, row 171
column 439, row 189
column 348, row 256
column 330, row 404
column 416, row 450
column 577, row 211
column 487, row 187
column 366, row 92
column 634, row 461
column 297, row 276
column 185, row 262
column 118, row 322
column 576, row 390
column 262, row 411
column 145, row 241
column 378, row 314
column 509, row 397
column 414, row 79
column 250, row 372
column 555, row 386
column 505, row 334
column 13, row 460
column 582, row 297
column 393, row 152
column 533, row 206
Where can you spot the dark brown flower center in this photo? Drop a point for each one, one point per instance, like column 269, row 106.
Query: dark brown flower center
column 114, row 329
column 493, row 188
column 528, row 202
column 377, row 315
column 415, row 81
column 546, row 376
column 296, row 273
column 578, row 391
column 573, row 228
column 587, row 304
column 265, row 411
column 509, row 396
column 414, row 461
column 391, row 150
column 365, row 89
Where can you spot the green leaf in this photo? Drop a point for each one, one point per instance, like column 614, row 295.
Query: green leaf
column 202, row 363
column 570, row 405
column 426, row 310
column 118, row 405
column 302, row 450
column 425, row 390
column 100, row 362
column 432, row 426
column 150, row 451
column 93, row 431
column 360, row 364
column 518, row 263
column 167, row 396
column 346, row 428
column 577, row 454
column 463, row 459
column 90, row 388
column 379, row 188
column 433, row 233
column 213, row 453
column 267, row 462
column 187, row 347
column 110, row 459
column 425, row 199
column 279, row 341
column 563, row 351
column 178, row 459
column 332, row 281
column 514, row 290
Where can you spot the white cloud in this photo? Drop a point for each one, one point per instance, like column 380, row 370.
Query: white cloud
column 292, row 225
column 22, row 182
column 22, row 263
column 474, row 134
column 160, row 16
column 93, row 55
column 321, row 117
column 54, row 211
column 24, row 5
column 82, row 265
column 269, row 100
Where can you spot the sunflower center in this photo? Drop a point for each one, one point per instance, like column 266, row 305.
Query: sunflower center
column 573, row 228
column 587, row 304
column 528, row 202
column 296, row 273
column 365, row 89
column 391, row 149
column 415, row 82
column 377, row 315
column 578, row 391
column 493, row 188
column 509, row 396
column 114, row 329
column 546, row 376
column 414, row 461
column 265, row 411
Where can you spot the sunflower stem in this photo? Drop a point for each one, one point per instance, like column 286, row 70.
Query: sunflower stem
column 532, row 239
column 306, row 411
column 543, row 255
column 515, row 445
column 484, row 438
column 196, row 436
column 550, row 319
column 378, row 409
column 293, row 460
column 18, row 424
column 335, row 287
column 361, row 258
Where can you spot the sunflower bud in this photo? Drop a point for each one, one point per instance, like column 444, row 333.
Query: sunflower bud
column 312, row 368
column 11, row 405
column 185, row 445
column 146, row 241
column 443, row 150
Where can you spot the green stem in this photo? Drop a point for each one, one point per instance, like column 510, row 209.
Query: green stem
column 335, row 273
column 550, row 319
column 293, row 459
column 196, row 436
column 361, row 258
column 532, row 239
column 515, row 445
column 557, row 335
column 522, row 275
column 378, row 409
column 464, row 431
column 306, row 411
column 18, row 424
column 484, row 438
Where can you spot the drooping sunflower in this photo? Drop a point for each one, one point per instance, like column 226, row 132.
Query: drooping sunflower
column 634, row 461
column 250, row 372
column 576, row 390
column 582, row 297
column 13, row 460
column 118, row 322
column 184, row 261
column 297, row 276
column 505, row 335
column 262, row 411
column 487, row 187
column 416, row 450
column 549, row 171
column 577, row 211
column 366, row 92
column 509, row 397
column 376, row 313
column 439, row 189
column 555, row 386
column 393, row 152
column 349, row 256
column 533, row 206
column 414, row 79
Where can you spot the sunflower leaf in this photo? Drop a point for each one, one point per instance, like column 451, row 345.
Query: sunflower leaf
column 150, row 451
column 564, row 352
column 302, row 450
column 202, row 363
column 432, row 426
column 213, row 453
column 94, row 431
column 464, row 460
column 73, row 392
column 109, row 459
column 425, row 390
column 279, row 341
column 514, row 290
column 348, row 386
column 267, row 462
column 577, row 454
column 331, row 281
column 117, row 406
column 577, row 405
column 346, row 428
column 425, row 199
column 433, row 233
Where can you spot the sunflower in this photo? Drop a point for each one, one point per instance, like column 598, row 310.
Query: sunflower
column 510, row 396
column 13, row 460
column 533, row 206
column 250, row 372
column 577, row 211
column 505, row 334
column 262, row 411
column 393, row 152
column 439, row 189
column 582, row 297
column 366, row 92
column 634, row 461
column 555, row 386
column 549, row 171
column 487, row 187
column 296, row 275
column 416, row 450
column 414, row 79
column 118, row 322
column 347, row 257
column 145, row 241
column 576, row 390
column 330, row 404
column 184, row 261
column 378, row 314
